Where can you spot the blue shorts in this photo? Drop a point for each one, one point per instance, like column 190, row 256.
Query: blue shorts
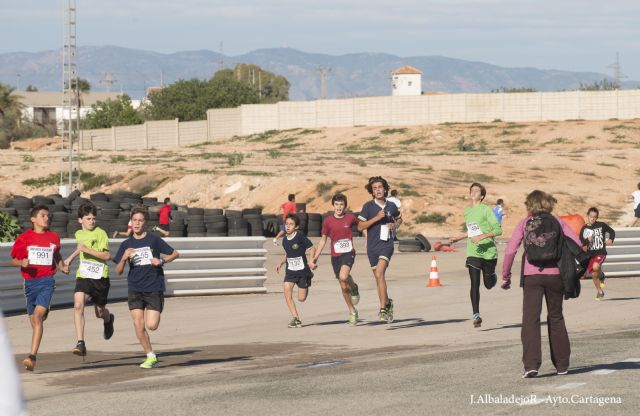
column 381, row 252
column 38, row 292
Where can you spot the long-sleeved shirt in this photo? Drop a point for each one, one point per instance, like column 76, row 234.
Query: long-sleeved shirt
column 516, row 240
column 480, row 220
column 600, row 233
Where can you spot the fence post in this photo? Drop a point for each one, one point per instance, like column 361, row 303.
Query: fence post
column 177, row 132
column 539, row 105
column 209, row 138
column 113, row 138
column 146, row 135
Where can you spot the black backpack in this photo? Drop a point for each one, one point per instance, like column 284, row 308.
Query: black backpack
column 543, row 240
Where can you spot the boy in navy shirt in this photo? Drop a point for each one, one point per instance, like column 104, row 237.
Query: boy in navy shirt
column 298, row 271
column 146, row 279
column 380, row 218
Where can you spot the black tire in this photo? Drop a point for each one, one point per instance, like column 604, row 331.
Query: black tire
column 216, row 234
column 251, row 211
column 426, row 245
column 229, row 213
column 213, row 211
column 301, row 207
column 196, row 234
column 214, row 219
column 195, row 211
column 410, row 246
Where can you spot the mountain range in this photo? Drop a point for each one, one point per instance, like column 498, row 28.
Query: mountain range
column 353, row 75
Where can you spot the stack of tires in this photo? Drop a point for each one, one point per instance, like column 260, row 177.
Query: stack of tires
column 177, row 227
column 195, row 222
column 237, row 226
column 270, row 224
column 254, row 221
column 314, row 225
column 215, row 222
column 22, row 206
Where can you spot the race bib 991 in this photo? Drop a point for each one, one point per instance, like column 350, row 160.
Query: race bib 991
column 40, row 256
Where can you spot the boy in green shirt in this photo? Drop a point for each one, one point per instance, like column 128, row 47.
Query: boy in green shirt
column 92, row 276
column 482, row 253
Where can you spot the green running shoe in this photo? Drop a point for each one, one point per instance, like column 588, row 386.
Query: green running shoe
column 353, row 317
column 295, row 323
column 382, row 315
column 355, row 294
column 150, row 362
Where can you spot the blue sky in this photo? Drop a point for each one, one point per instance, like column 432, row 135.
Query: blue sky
column 580, row 35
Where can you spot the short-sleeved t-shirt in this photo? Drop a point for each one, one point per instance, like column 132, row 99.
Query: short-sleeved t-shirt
column 339, row 231
column 600, row 233
column 499, row 213
column 41, row 249
column 374, row 233
column 144, row 277
column 96, row 240
column 288, row 207
column 636, row 199
column 296, row 250
column 164, row 215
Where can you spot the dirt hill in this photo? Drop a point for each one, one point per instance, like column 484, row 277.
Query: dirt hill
column 583, row 163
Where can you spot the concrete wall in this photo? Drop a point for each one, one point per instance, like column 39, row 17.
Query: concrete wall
column 371, row 111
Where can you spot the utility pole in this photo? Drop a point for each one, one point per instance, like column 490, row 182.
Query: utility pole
column 324, row 75
column 221, row 56
column 70, row 95
column 18, row 76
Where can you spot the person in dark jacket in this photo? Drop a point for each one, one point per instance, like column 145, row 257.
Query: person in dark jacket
column 596, row 236
column 538, row 283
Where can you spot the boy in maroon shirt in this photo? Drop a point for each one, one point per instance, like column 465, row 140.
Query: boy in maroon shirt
column 36, row 252
column 343, row 254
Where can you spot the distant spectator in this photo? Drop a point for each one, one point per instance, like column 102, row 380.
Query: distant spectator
column 498, row 210
column 394, row 198
column 287, row 208
column 636, row 205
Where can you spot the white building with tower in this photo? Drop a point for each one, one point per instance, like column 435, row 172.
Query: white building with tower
column 406, row 81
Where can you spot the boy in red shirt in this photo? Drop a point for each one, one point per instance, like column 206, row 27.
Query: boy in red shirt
column 343, row 254
column 287, row 208
column 36, row 252
column 164, row 218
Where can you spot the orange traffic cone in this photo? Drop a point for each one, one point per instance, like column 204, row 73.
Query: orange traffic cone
column 433, row 274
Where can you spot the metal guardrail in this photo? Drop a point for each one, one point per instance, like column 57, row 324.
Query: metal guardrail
column 623, row 257
column 207, row 266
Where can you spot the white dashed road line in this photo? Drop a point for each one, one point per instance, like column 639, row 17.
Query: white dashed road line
column 571, row 385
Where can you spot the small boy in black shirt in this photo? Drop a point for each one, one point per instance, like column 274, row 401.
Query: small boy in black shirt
column 298, row 271
column 596, row 236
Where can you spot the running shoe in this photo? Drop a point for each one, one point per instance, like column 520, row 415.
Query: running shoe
column 295, row 323
column 389, row 309
column 353, row 317
column 477, row 321
column 530, row 374
column 154, row 228
column 600, row 295
column 108, row 327
column 80, row 349
column 29, row 362
column 382, row 315
column 150, row 362
column 563, row 373
column 355, row 294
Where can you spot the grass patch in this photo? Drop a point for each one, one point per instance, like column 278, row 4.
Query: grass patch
column 235, row 159
column 515, row 142
column 274, row 153
column 591, row 137
column 42, row 181
column 434, row 217
column 520, row 152
column 410, row 192
column 290, row 145
column 609, row 165
column 308, row 131
column 324, row 187
column 28, row 158
column 487, row 126
column 469, row 177
column 250, row 173
column 409, row 141
column 505, row 132
column 360, row 162
column 393, row 131
column 91, row 181
column 557, row 140
column 262, row 137
column 464, row 146
column 200, row 144
column 117, row 159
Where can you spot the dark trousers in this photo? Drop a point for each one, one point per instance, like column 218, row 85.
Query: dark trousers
column 535, row 287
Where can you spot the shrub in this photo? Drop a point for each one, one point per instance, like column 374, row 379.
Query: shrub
column 434, row 217
column 324, row 187
column 9, row 228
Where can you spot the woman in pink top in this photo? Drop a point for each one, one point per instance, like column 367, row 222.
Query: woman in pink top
column 538, row 283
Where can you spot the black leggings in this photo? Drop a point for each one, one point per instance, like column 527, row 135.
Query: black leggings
column 488, row 269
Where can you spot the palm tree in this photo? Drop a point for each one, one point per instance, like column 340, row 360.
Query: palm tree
column 80, row 86
column 9, row 102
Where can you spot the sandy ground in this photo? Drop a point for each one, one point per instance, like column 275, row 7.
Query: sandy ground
column 583, row 163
